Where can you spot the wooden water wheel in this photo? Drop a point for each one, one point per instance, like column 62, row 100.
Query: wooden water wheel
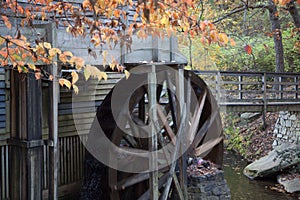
column 154, row 127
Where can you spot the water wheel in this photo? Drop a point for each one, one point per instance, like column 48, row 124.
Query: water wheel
column 152, row 128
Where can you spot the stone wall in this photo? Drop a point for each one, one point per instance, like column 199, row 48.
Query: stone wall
column 208, row 187
column 287, row 128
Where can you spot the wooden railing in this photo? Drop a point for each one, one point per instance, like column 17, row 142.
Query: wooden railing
column 254, row 91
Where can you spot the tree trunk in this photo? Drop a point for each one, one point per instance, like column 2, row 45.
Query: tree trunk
column 276, row 30
column 294, row 13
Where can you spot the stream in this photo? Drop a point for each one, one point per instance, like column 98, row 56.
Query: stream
column 243, row 188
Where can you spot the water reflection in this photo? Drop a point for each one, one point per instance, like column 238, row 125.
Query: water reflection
column 243, row 188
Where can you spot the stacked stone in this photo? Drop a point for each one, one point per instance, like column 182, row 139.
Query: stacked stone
column 287, row 128
column 208, row 187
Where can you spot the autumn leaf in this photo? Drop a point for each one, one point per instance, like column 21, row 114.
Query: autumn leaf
column 104, row 75
column 74, row 77
column 2, row 40
column 68, row 53
column 232, row 42
column 127, row 74
column 47, row 45
column 51, row 77
column 6, row 21
column 37, row 75
column 63, row 58
column 223, row 38
column 65, row 82
column 31, row 66
column 248, row 49
column 54, row 51
column 75, row 88
column 87, row 72
column 266, row 48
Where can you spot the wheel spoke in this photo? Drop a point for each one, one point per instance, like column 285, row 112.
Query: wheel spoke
column 196, row 118
column 201, row 132
column 166, row 125
column 177, row 148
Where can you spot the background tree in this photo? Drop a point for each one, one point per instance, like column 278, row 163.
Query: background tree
column 250, row 24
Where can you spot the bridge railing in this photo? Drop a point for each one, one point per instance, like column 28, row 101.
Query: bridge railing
column 259, row 88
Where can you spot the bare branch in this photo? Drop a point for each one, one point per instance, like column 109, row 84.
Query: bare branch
column 241, row 9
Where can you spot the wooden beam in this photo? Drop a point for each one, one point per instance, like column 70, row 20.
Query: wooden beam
column 26, row 150
column 153, row 166
column 53, row 120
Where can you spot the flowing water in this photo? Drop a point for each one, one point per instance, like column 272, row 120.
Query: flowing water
column 243, row 188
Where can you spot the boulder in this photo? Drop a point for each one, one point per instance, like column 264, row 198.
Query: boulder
column 249, row 115
column 275, row 161
column 290, row 184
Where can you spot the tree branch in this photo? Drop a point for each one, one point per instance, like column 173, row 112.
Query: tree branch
column 241, row 9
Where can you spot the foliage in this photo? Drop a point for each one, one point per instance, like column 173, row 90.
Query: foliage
column 247, row 24
column 103, row 21
column 233, row 139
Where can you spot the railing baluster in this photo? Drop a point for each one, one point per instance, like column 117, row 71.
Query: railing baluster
column 240, row 87
column 296, row 87
column 218, row 77
column 264, row 88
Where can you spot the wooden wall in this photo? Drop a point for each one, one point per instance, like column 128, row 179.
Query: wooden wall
column 71, row 150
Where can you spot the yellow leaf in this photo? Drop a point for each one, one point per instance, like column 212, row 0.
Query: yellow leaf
column 127, row 74
column 47, row 45
column 104, row 54
column 1, row 41
column 65, row 82
column 74, row 77
column 75, row 88
column 87, row 72
column 31, row 66
column 104, row 75
column 79, row 62
column 54, row 51
column 223, row 37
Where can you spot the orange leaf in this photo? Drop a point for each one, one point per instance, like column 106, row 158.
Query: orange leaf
column 6, row 21
column 232, row 42
column 223, row 38
column 266, row 48
column 74, row 77
column 248, row 49
column 65, row 82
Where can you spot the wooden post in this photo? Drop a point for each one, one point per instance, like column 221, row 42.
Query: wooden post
column 153, row 139
column 218, row 88
column 296, row 87
column 26, row 144
column 53, row 122
column 183, row 138
column 154, row 48
column 240, row 87
column 264, row 88
column 280, row 87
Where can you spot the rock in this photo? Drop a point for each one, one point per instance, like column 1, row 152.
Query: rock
column 275, row 143
column 283, row 131
column 293, row 117
column 290, row 185
column 271, row 163
column 288, row 123
column 249, row 115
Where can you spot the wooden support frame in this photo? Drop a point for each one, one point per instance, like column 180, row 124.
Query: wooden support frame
column 26, row 144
